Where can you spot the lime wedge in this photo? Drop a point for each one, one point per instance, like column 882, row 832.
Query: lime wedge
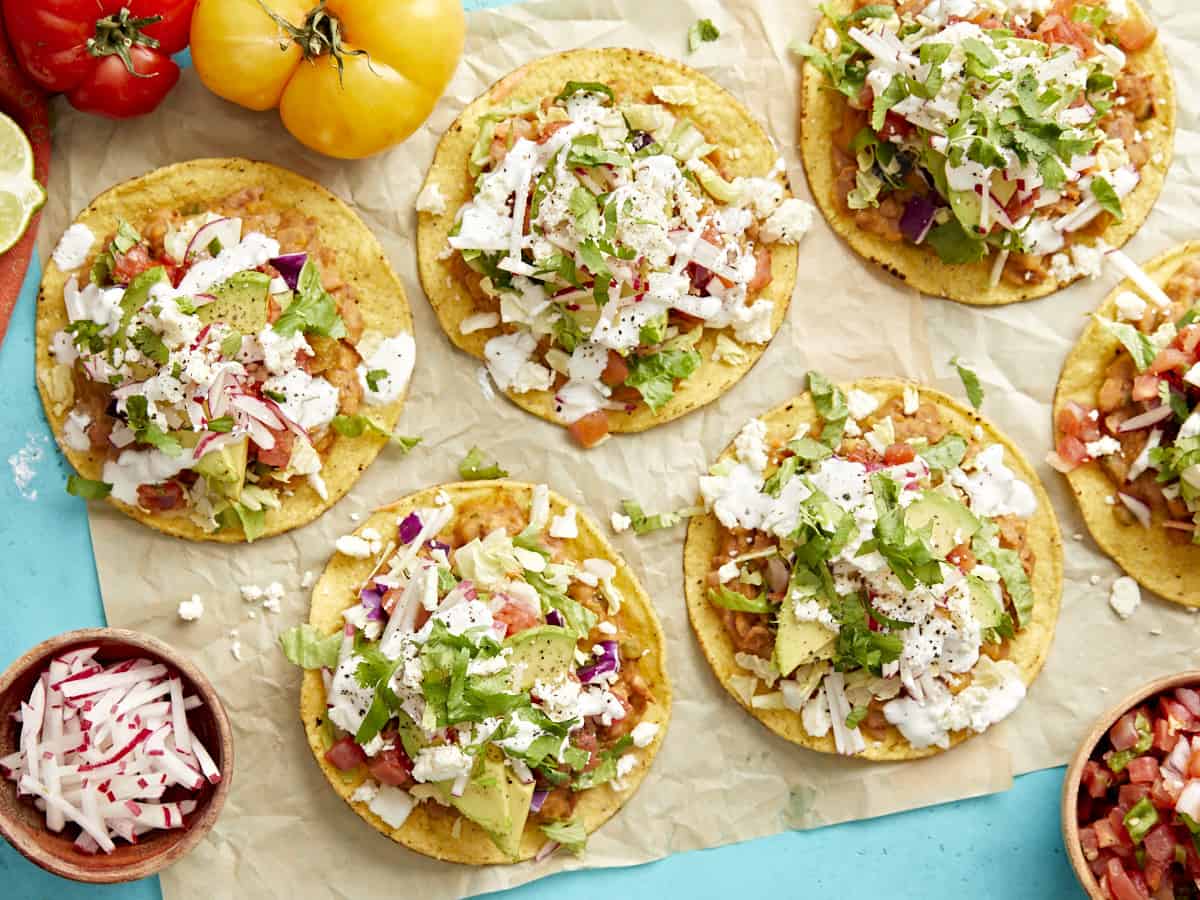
column 20, row 194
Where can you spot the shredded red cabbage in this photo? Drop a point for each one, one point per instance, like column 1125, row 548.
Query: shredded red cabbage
column 288, row 266
column 554, row 617
column 917, row 218
column 608, row 661
column 410, row 528
column 438, row 545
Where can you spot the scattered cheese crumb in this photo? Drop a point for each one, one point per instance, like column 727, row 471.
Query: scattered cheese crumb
column 620, row 522
column 191, row 610
column 308, row 579
column 431, row 200
column 643, row 733
column 1094, row 580
column 1125, row 596
column 565, row 526
column 235, row 646
column 912, row 400
column 606, row 627
column 354, row 517
column 1130, row 306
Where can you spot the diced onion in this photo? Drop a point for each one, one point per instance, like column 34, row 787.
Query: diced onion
column 1140, row 510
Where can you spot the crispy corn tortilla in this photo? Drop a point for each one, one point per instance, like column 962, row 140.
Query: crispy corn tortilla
column 429, row 829
column 1169, row 569
column 821, row 116
column 204, row 182
column 1027, row 650
column 718, row 115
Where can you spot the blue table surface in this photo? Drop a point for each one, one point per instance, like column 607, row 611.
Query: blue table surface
column 959, row 850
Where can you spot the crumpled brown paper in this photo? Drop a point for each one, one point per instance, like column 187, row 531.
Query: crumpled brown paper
column 720, row 777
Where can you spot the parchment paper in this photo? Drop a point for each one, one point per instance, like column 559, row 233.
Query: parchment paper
column 720, row 777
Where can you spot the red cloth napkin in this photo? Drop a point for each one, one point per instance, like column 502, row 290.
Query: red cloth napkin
column 27, row 104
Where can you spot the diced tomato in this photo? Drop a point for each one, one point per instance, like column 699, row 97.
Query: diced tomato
column 591, row 429
column 1193, row 769
column 1145, row 387
column 1075, row 420
column 1187, row 339
column 130, row 265
column 1096, row 779
column 1116, row 820
column 392, row 766
column 1159, row 843
column 1121, row 886
column 1178, row 715
column 1155, row 874
column 1162, row 795
column 899, row 454
column 962, row 558
column 616, row 370
column 516, row 616
column 345, row 754
column 1058, row 28
column 280, row 455
column 1020, row 205
column 1143, row 770
column 1106, row 835
column 1128, row 795
column 1089, row 843
column 390, row 598
column 1135, row 33
column 762, row 272
column 863, row 454
column 1190, row 699
column 1168, row 358
column 1071, row 450
column 895, row 125
column 1164, row 736
column 160, row 497
column 1123, row 734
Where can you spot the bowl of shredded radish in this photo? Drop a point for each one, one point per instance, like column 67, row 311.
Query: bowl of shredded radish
column 115, row 755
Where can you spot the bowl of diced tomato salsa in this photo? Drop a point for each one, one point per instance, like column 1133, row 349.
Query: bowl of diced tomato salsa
column 1131, row 799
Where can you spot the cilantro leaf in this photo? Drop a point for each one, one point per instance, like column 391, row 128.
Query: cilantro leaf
column 701, row 32
column 1106, row 196
column 231, row 344
column 374, row 376
column 313, row 309
column 578, row 617
column 88, row 489
column 856, row 715
column 476, row 467
column 970, row 382
column 137, row 411
column 858, row 647
column 222, row 424
column 954, row 245
column 150, row 345
column 906, row 550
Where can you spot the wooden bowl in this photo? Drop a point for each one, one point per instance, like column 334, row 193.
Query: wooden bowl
column 25, row 827
column 1070, row 823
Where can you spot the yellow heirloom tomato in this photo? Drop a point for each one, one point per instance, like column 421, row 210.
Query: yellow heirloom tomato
column 350, row 77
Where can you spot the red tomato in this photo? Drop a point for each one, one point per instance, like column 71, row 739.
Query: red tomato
column 160, row 497
column 392, row 766
column 616, row 370
column 1135, row 33
column 1143, row 770
column 1075, row 420
column 1187, row 339
column 517, row 617
column 1089, row 843
column 898, row 454
column 79, row 47
column 962, row 558
column 591, row 429
column 129, row 266
column 1124, row 734
column 895, row 124
column 1120, row 885
column 863, row 454
column 1167, row 359
column 281, row 454
column 1096, row 779
column 1190, row 699
column 1057, row 28
column 762, row 273
column 345, row 754
column 1072, row 450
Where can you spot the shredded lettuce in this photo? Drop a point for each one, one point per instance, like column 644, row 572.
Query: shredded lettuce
column 831, row 407
column 970, row 382
column 1008, row 563
column 87, row 488
column 1140, row 346
column 305, row 646
column 702, row 31
column 477, row 467
column 568, row 833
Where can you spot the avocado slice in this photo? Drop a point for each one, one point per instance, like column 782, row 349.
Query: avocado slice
column 800, row 643
column 985, row 603
column 519, row 797
column 485, row 800
column 225, row 468
column 241, row 302
column 543, row 653
column 967, row 206
column 950, row 520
